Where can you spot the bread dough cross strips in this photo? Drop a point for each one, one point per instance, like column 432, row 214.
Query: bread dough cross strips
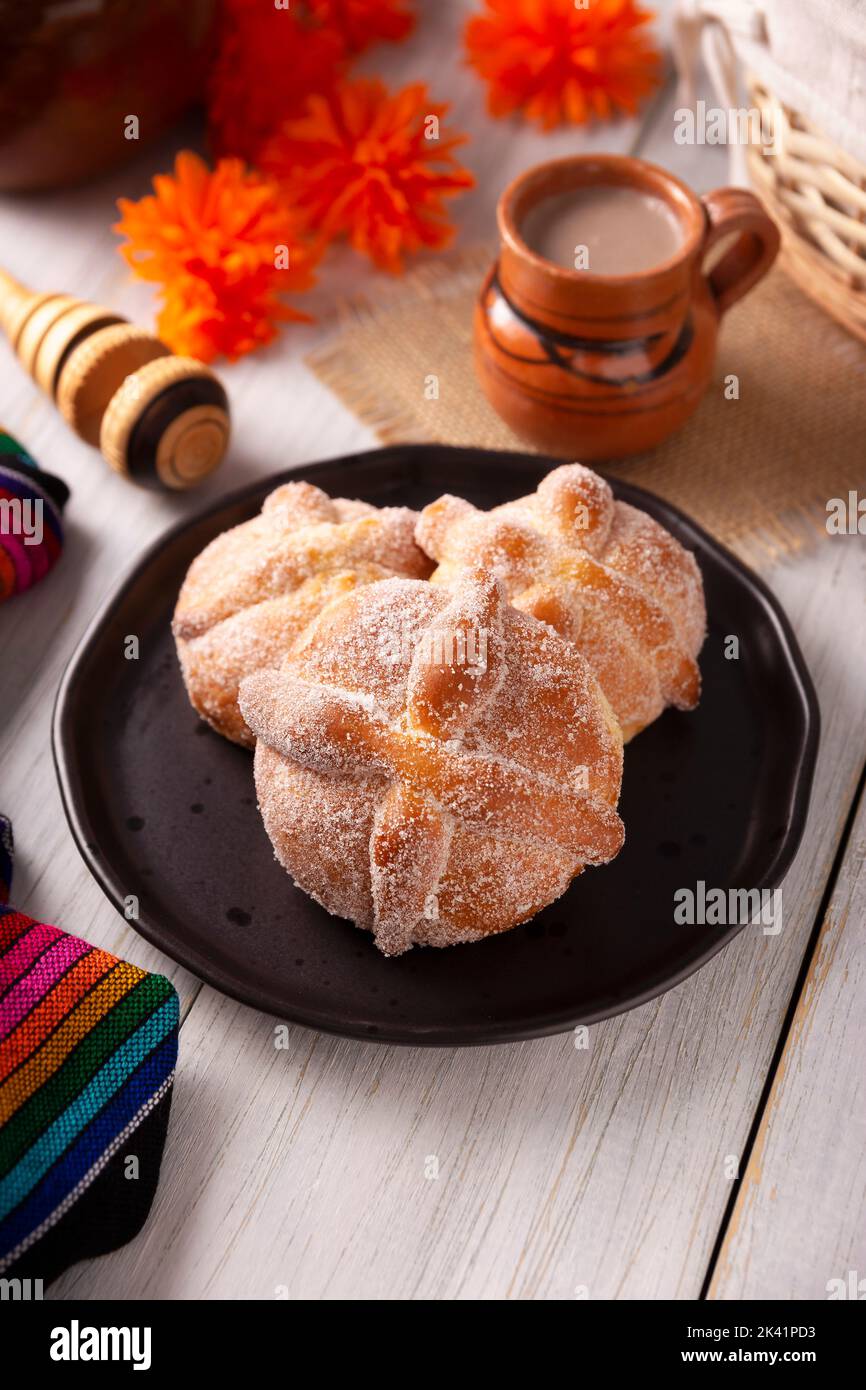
column 300, row 535
column 434, row 771
column 601, row 573
column 253, row 590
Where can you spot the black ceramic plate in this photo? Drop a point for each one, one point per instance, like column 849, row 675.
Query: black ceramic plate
column 164, row 809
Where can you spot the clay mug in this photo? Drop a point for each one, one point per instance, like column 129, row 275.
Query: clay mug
column 598, row 367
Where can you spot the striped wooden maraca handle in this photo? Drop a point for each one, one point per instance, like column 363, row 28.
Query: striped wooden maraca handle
column 160, row 419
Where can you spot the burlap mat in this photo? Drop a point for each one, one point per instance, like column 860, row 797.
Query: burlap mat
column 756, row 471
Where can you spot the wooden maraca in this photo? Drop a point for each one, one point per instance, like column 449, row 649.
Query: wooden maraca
column 159, row 419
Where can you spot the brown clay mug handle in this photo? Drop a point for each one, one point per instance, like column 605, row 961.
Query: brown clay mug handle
column 736, row 210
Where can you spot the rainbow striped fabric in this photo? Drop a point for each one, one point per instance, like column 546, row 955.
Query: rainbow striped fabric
column 88, row 1046
column 27, row 490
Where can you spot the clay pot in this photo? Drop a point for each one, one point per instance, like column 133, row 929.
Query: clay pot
column 598, row 367
column 72, row 73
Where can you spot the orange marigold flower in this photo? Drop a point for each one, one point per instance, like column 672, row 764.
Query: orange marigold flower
column 373, row 166
column 268, row 62
column 557, row 62
column 225, row 246
column 362, row 22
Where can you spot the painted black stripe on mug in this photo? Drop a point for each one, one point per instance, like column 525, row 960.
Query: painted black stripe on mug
column 586, row 318
column 551, row 342
column 562, row 402
column 667, row 364
column 165, row 408
column 543, row 359
column 614, row 347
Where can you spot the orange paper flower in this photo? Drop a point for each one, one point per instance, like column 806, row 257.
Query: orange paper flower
column 268, row 62
column 372, row 166
column 557, row 61
column 225, row 246
column 362, row 22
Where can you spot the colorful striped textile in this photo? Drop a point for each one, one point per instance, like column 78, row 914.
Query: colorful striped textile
column 31, row 530
column 88, row 1047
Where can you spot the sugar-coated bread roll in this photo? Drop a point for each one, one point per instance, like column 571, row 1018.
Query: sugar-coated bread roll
column 603, row 574
column 253, row 590
column 433, row 764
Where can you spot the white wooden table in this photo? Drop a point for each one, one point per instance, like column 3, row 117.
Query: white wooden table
column 712, row 1141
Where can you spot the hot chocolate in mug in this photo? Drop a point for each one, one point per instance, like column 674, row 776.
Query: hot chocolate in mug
column 601, row 363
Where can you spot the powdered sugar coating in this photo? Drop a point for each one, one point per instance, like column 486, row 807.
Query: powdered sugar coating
column 605, row 575
column 426, row 789
column 251, row 592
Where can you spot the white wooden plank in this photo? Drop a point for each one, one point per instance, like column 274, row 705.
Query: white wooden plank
column 798, row 1228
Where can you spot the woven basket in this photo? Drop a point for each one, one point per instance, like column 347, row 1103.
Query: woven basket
column 817, row 194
